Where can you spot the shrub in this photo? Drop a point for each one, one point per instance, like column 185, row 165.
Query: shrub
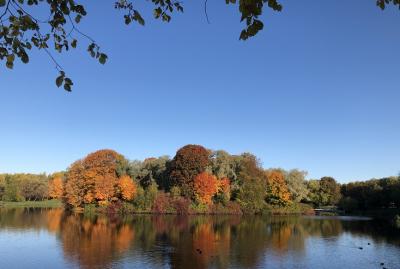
column 199, row 208
column 182, row 206
column 162, row 203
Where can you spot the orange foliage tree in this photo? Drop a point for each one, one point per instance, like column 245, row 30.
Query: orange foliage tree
column 205, row 187
column 127, row 188
column 93, row 179
column 56, row 188
column 277, row 190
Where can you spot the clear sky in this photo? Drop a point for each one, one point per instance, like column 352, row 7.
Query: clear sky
column 317, row 89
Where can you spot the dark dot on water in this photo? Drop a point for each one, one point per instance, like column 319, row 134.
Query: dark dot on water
column 382, row 263
column 360, row 248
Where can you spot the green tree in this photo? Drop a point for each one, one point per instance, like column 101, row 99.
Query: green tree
column 331, row 189
column 33, row 189
column 316, row 195
column 224, row 165
column 2, row 185
column 151, row 170
column 295, row 180
column 251, row 194
column 11, row 190
column 324, row 192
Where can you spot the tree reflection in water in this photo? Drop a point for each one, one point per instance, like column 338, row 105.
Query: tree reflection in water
column 99, row 241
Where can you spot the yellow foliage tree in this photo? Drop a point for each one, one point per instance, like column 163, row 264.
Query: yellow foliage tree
column 127, row 188
column 56, row 188
column 277, row 190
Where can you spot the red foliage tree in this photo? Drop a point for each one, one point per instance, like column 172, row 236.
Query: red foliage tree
column 188, row 162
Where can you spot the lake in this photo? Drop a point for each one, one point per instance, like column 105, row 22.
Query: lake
column 51, row 238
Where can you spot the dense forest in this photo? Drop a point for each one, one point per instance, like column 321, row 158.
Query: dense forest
column 196, row 180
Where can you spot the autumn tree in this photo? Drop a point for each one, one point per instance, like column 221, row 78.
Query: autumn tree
column 224, row 190
column 277, row 190
column 188, row 162
column 127, row 188
column 56, row 188
column 205, row 187
column 93, row 179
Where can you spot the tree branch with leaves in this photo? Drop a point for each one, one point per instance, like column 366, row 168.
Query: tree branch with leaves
column 21, row 31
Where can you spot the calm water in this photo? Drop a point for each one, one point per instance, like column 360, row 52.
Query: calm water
column 53, row 239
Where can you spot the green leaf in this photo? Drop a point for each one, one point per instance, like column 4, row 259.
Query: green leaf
column 59, row 81
column 102, row 58
column 67, row 87
column 68, row 81
column 25, row 58
column 78, row 18
column 73, row 43
column 2, row 3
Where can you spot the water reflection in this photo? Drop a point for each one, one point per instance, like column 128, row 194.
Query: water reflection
column 198, row 242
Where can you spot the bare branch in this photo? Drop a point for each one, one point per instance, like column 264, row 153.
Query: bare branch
column 205, row 11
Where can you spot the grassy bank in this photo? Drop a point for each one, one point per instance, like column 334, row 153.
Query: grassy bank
column 292, row 209
column 231, row 208
column 32, row 204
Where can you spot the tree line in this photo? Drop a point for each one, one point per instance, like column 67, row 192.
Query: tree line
column 195, row 180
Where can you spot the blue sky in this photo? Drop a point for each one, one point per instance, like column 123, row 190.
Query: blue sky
column 317, row 89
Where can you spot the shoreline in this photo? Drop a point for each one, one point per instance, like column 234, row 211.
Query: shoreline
column 297, row 210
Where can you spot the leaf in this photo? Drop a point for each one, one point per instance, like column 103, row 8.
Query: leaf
column 78, row 18
column 103, row 58
column 10, row 61
column 68, row 81
column 59, row 81
column 2, row 3
column 73, row 43
column 25, row 58
column 67, row 87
